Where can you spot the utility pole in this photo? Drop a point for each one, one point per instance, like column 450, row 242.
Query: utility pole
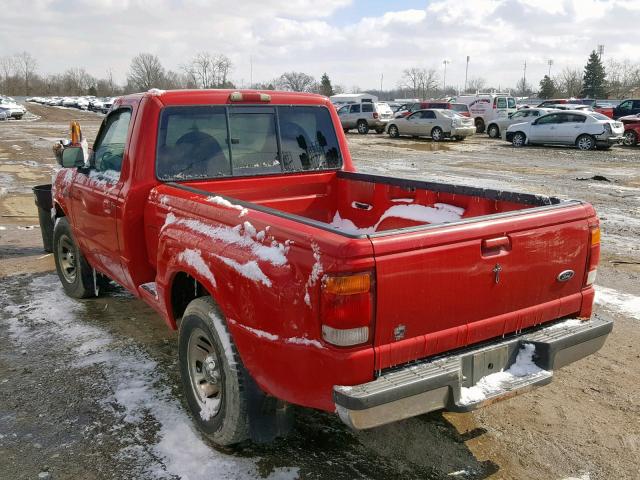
column 250, row 71
column 550, row 62
column 444, row 78
column 381, row 78
column 524, row 78
column 600, row 51
column 466, row 72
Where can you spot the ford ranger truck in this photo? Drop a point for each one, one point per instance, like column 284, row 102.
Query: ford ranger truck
column 295, row 280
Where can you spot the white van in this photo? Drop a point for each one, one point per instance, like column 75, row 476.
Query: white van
column 485, row 107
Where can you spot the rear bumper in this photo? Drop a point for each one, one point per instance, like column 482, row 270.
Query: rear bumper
column 438, row 383
column 462, row 131
column 612, row 140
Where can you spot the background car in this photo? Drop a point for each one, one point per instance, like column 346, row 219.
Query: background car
column 631, row 129
column 4, row 113
column 435, row 123
column 15, row 110
column 497, row 126
column 409, row 108
column 627, row 107
column 585, row 130
column 365, row 116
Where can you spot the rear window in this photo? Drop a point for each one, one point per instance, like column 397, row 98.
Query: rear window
column 599, row 116
column 200, row 142
column 511, row 102
column 459, row 107
column 501, row 102
column 384, row 108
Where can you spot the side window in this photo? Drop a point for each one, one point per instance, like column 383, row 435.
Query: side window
column 367, row 107
column 109, row 147
column 548, row 119
column 428, row 114
column 354, row 109
column 501, row 102
column 574, row 118
column 535, row 113
column 625, row 105
column 636, row 104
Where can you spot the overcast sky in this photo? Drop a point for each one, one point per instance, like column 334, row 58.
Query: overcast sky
column 354, row 41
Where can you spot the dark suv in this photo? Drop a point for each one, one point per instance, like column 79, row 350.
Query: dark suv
column 626, row 107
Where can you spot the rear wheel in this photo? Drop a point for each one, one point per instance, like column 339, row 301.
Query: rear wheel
column 73, row 269
column 585, row 142
column 493, row 131
column 363, row 127
column 213, row 376
column 518, row 139
column 393, row 131
column 479, row 125
column 437, row 134
column 630, row 138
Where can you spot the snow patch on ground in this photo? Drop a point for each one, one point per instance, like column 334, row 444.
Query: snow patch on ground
column 619, row 302
column 139, row 387
column 439, row 213
column 491, row 384
column 194, row 258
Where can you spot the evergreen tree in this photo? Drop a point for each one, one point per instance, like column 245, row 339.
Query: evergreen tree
column 325, row 86
column 594, row 79
column 547, row 87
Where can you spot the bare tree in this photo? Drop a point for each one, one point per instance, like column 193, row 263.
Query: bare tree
column 523, row 89
column 419, row 81
column 297, row 82
column 26, row 65
column 7, row 70
column 569, row 82
column 208, row 71
column 146, row 72
column 476, row 84
column 622, row 78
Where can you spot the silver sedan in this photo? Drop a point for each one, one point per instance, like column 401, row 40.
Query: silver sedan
column 435, row 123
column 499, row 125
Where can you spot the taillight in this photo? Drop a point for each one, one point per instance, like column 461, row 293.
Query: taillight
column 375, row 115
column 347, row 309
column 594, row 256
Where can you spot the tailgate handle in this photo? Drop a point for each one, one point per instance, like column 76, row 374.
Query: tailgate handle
column 496, row 243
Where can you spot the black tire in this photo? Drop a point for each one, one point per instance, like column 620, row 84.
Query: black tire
column 437, row 135
column 204, row 324
column 479, row 125
column 346, row 130
column 519, row 139
column 493, row 131
column 363, row 127
column 630, row 138
column 393, row 131
column 585, row 142
column 73, row 269
column 458, row 138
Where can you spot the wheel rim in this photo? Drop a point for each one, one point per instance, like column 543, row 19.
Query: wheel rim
column 204, row 372
column 393, row 131
column 493, row 132
column 436, row 134
column 67, row 258
column 629, row 138
column 585, row 143
column 362, row 128
column 518, row 140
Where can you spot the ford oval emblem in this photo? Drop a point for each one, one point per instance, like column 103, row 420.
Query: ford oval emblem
column 565, row 276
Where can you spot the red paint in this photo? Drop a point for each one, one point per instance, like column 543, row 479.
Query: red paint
column 439, row 282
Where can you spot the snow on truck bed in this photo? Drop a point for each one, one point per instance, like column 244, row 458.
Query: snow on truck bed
column 439, row 213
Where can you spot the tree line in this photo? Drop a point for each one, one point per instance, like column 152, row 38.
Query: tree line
column 19, row 76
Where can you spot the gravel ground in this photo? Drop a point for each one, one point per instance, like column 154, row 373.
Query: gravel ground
column 89, row 389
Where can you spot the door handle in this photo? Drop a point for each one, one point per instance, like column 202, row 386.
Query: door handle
column 497, row 243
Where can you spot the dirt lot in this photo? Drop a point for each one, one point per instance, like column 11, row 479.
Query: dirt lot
column 90, row 389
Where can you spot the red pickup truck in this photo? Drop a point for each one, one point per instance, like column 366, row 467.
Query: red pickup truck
column 293, row 279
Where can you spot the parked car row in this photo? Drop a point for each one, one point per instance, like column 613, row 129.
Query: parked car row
column 95, row 104
column 9, row 108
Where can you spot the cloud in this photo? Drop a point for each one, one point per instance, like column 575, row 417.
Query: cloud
column 314, row 37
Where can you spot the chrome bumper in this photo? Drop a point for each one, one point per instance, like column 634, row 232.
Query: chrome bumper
column 437, row 383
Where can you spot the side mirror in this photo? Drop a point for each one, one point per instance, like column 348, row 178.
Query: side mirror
column 72, row 157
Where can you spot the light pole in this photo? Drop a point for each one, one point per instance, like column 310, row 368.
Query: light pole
column 444, row 78
column 550, row 62
column 466, row 72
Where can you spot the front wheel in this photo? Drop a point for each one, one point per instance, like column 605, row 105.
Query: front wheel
column 393, row 131
column 73, row 269
column 213, row 377
column 585, row 142
column 518, row 139
column 363, row 127
column 437, row 134
column 630, row 138
column 493, row 131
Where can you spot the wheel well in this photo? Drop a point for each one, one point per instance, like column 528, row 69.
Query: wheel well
column 59, row 211
column 362, row 120
column 479, row 120
column 184, row 289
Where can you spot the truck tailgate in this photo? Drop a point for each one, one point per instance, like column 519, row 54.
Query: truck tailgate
column 446, row 287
